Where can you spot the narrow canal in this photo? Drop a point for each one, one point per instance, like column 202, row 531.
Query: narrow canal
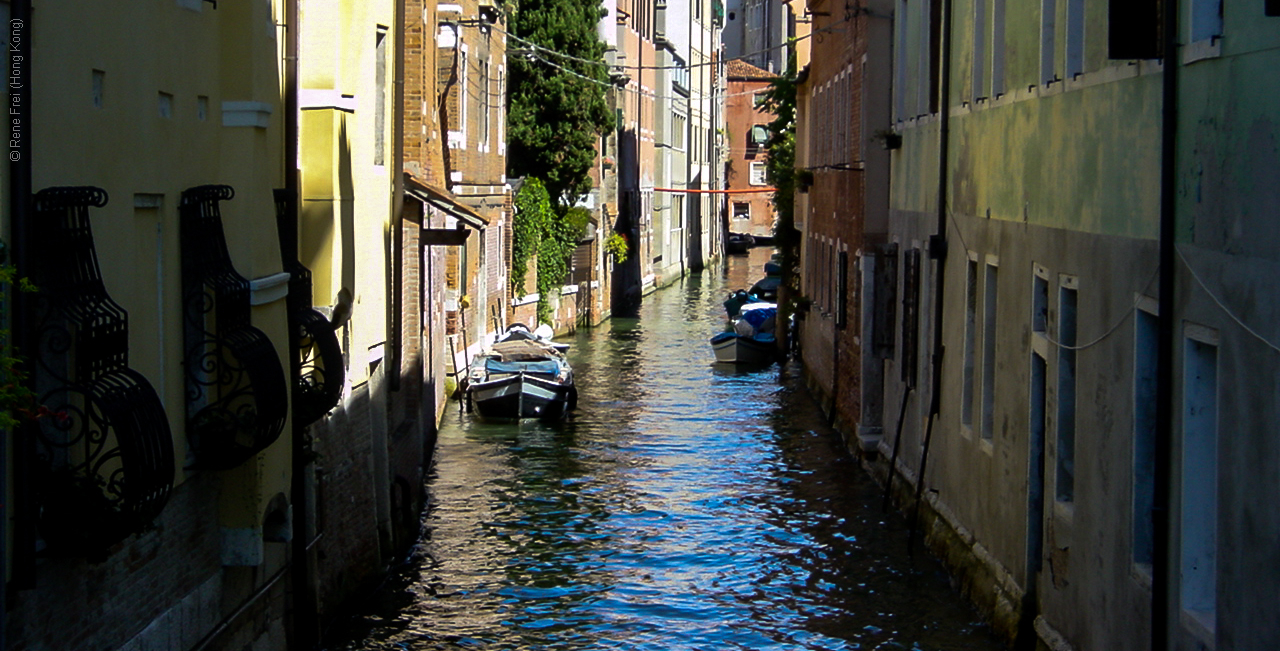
column 682, row 507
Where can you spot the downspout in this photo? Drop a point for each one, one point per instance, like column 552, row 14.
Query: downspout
column 20, row 181
column 396, row 318
column 1162, row 477
column 305, row 624
column 938, row 252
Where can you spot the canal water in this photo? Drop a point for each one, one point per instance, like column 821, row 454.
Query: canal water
column 683, row 506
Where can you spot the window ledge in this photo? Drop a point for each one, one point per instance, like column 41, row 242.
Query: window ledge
column 528, row 298
column 1200, row 623
column 268, row 289
column 1141, row 574
column 246, row 114
column 1209, row 48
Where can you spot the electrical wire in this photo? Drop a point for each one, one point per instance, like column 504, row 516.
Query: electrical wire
column 1106, row 333
column 1110, row 331
column 834, row 27
column 1222, row 305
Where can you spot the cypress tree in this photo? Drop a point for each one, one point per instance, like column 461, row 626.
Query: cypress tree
column 556, row 105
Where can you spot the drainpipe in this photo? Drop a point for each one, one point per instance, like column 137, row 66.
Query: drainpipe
column 395, row 337
column 305, row 621
column 938, row 252
column 1161, row 600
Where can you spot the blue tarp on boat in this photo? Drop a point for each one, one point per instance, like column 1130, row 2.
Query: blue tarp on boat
column 545, row 367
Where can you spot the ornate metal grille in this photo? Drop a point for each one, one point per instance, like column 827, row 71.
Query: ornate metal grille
column 105, row 448
column 236, row 400
column 317, row 360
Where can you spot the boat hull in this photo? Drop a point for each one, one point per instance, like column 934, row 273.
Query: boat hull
column 732, row 348
column 521, row 396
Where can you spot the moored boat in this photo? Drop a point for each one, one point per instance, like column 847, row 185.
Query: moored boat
column 750, row 338
column 733, row 348
column 738, row 243
column 522, row 375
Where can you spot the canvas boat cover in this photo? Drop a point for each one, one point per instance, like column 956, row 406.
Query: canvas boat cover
column 523, row 350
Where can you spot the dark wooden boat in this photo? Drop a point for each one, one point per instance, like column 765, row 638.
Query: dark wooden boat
column 521, row 376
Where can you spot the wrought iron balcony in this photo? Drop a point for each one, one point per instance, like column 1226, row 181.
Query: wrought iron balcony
column 104, row 446
column 318, row 371
column 236, row 400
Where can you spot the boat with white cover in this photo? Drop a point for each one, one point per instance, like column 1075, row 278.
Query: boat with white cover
column 750, row 338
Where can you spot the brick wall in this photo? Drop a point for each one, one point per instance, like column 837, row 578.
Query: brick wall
column 346, row 503
column 161, row 589
column 836, row 223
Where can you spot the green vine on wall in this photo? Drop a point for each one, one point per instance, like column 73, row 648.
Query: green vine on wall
column 554, row 253
column 539, row 231
column 533, row 213
column 16, row 399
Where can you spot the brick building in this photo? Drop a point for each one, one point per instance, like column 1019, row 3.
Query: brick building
column 843, row 213
column 750, row 208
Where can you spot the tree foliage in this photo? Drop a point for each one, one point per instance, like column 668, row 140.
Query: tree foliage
column 556, row 105
column 780, row 99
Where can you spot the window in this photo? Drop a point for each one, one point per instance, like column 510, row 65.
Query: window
column 970, row 335
column 842, row 289
column 486, row 105
column 202, row 108
column 379, row 95
column 910, row 314
column 997, row 48
column 885, row 297
column 933, row 53
column 1199, row 535
column 165, row 105
column 989, row 351
column 979, row 49
column 1133, row 29
column 501, row 109
column 679, row 125
column 1048, row 25
column 1039, row 303
column 1066, row 471
column 900, row 62
column 1206, row 19
column 741, row 210
column 757, row 173
column 1075, row 38
column 1144, row 435
column 98, row 82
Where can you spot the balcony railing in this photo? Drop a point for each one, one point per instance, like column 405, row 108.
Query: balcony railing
column 105, row 452
column 235, row 385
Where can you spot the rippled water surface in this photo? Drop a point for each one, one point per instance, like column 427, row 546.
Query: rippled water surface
column 683, row 506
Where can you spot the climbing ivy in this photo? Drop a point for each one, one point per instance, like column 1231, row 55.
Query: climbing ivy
column 554, row 252
column 17, row 401
column 533, row 214
column 539, row 230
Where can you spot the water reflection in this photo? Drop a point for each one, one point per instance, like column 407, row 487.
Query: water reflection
column 683, row 506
